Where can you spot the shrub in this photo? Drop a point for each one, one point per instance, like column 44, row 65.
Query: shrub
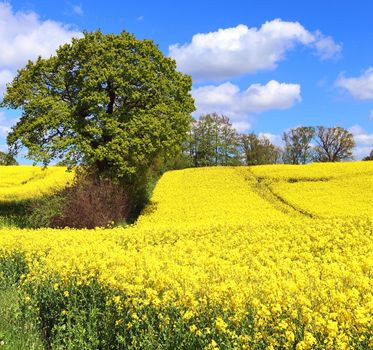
column 92, row 203
column 88, row 203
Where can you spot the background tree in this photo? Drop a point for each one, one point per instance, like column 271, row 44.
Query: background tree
column 370, row 157
column 213, row 141
column 228, row 142
column 206, row 141
column 333, row 144
column 7, row 159
column 258, row 150
column 298, row 148
column 110, row 102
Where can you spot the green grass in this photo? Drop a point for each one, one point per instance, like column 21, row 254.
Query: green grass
column 15, row 332
column 13, row 214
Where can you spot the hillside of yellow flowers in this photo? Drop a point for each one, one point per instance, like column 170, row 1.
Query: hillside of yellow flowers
column 27, row 182
column 267, row 257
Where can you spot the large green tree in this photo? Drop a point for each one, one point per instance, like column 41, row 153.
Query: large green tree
column 111, row 102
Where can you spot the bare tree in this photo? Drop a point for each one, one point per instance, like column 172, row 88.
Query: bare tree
column 333, row 144
column 298, row 148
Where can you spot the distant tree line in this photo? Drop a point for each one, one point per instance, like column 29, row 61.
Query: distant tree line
column 318, row 144
column 370, row 157
column 212, row 140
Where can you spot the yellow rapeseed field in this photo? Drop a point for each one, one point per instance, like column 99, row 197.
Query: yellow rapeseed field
column 27, row 182
column 268, row 257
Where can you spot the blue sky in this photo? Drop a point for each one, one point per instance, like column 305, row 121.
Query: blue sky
column 270, row 65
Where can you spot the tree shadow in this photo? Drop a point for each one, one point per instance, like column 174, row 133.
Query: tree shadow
column 14, row 213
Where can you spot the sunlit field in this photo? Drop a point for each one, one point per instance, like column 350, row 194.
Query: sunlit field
column 266, row 257
column 27, row 182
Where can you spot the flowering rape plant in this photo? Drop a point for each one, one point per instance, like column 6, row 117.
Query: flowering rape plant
column 223, row 257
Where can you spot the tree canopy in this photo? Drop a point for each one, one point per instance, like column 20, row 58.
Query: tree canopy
column 297, row 145
column 213, row 141
column 7, row 159
column 333, row 144
column 320, row 144
column 111, row 102
column 258, row 150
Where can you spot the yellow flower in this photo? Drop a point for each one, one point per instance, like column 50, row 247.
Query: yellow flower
column 221, row 326
column 193, row 328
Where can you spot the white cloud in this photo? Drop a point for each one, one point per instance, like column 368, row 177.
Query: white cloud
column 78, row 10
column 6, row 76
column 4, row 130
column 241, row 126
column 326, row 48
column 274, row 138
column 24, row 36
column 6, row 123
column 361, row 137
column 235, row 51
column 360, row 87
column 229, row 100
column 364, row 141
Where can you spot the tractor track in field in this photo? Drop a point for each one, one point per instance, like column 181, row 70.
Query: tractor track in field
column 266, row 192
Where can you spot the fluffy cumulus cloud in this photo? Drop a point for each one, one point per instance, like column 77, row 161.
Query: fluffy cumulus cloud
column 235, row 51
column 228, row 99
column 24, row 36
column 364, row 141
column 360, row 87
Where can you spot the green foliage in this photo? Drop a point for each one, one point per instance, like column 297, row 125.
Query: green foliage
column 258, row 150
column 13, row 214
column 12, row 267
column 212, row 141
column 7, row 159
column 16, row 332
column 42, row 211
column 298, row 149
column 110, row 102
column 90, row 316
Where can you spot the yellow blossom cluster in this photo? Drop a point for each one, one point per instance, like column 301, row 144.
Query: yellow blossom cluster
column 244, row 261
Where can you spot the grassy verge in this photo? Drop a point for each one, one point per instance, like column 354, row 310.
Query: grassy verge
column 13, row 214
column 15, row 332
